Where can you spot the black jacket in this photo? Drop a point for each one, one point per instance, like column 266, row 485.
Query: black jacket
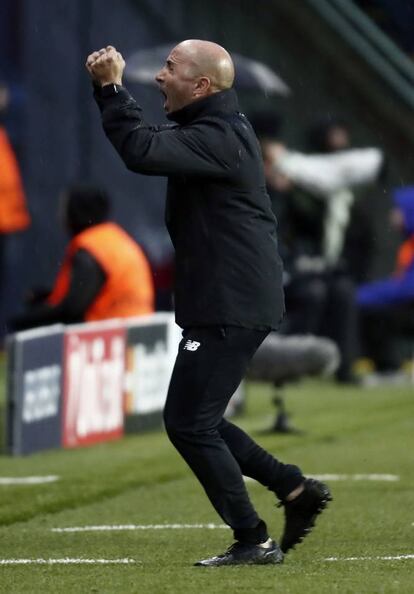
column 218, row 213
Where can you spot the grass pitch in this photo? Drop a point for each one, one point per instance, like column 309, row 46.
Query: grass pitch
column 140, row 480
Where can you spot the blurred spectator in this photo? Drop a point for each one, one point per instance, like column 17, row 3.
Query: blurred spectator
column 13, row 212
column 313, row 201
column 387, row 306
column 335, row 178
column 104, row 274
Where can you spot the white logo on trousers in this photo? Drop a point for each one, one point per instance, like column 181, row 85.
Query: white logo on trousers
column 191, row 345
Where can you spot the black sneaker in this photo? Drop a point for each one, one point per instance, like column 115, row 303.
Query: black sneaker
column 301, row 512
column 246, row 554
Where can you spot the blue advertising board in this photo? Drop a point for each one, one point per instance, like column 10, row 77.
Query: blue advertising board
column 34, row 390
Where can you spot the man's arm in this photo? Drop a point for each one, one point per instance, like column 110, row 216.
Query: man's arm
column 86, row 281
column 324, row 175
column 204, row 149
column 208, row 148
column 385, row 292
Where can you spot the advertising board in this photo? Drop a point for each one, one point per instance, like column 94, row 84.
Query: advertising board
column 148, row 368
column 94, row 363
column 34, row 361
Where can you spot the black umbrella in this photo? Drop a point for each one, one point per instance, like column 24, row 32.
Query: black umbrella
column 143, row 65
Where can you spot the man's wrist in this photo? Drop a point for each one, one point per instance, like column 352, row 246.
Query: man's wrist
column 105, row 83
column 109, row 90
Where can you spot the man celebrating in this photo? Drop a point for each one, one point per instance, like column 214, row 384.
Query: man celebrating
column 228, row 292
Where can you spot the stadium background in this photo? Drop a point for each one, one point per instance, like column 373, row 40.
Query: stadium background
column 362, row 437
column 57, row 132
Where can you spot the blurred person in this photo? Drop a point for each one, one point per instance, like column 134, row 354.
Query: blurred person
column 330, row 175
column 228, row 285
column 14, row 215
column 347, row 235
column 314, row 190
column 387, row 305
column 105, row 274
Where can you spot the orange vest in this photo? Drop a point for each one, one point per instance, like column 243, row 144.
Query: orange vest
column 128, row 290
column 13, row 211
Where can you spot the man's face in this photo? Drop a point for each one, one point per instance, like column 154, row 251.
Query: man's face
column 176, row 80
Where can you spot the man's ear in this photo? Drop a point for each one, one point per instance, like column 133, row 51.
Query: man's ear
column 202, row 86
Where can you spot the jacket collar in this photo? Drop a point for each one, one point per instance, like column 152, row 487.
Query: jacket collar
column 221, row 102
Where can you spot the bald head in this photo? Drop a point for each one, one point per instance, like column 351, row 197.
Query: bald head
column 210, row 60
column 194, row 69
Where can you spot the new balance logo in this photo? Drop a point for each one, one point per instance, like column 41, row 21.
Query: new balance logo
column 191, row 345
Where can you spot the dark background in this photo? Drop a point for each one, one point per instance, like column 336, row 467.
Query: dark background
column 56, row 129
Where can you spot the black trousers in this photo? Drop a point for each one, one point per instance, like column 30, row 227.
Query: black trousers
column 210, row 365
column 324, row 305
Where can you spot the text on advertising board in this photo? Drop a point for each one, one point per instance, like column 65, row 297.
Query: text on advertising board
column 93, row 386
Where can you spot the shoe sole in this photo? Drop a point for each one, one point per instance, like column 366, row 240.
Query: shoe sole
column 270, row 558
column 323, row 504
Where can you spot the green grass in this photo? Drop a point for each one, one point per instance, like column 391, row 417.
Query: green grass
column 141, row 480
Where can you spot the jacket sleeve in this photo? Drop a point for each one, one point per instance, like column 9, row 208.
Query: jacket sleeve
column 206, row 148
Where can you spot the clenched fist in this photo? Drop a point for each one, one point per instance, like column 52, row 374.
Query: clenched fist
column 106, row 66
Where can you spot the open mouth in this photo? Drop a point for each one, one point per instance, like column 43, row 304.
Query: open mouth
column 164, row 95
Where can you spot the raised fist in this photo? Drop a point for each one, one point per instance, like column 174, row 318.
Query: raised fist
column 106, row 66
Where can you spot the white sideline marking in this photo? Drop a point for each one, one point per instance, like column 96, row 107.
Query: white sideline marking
column 355, row 477
column 346, row 477
column 387, row 558
column 28, row 480
column 139, row 527
column 65, row 561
